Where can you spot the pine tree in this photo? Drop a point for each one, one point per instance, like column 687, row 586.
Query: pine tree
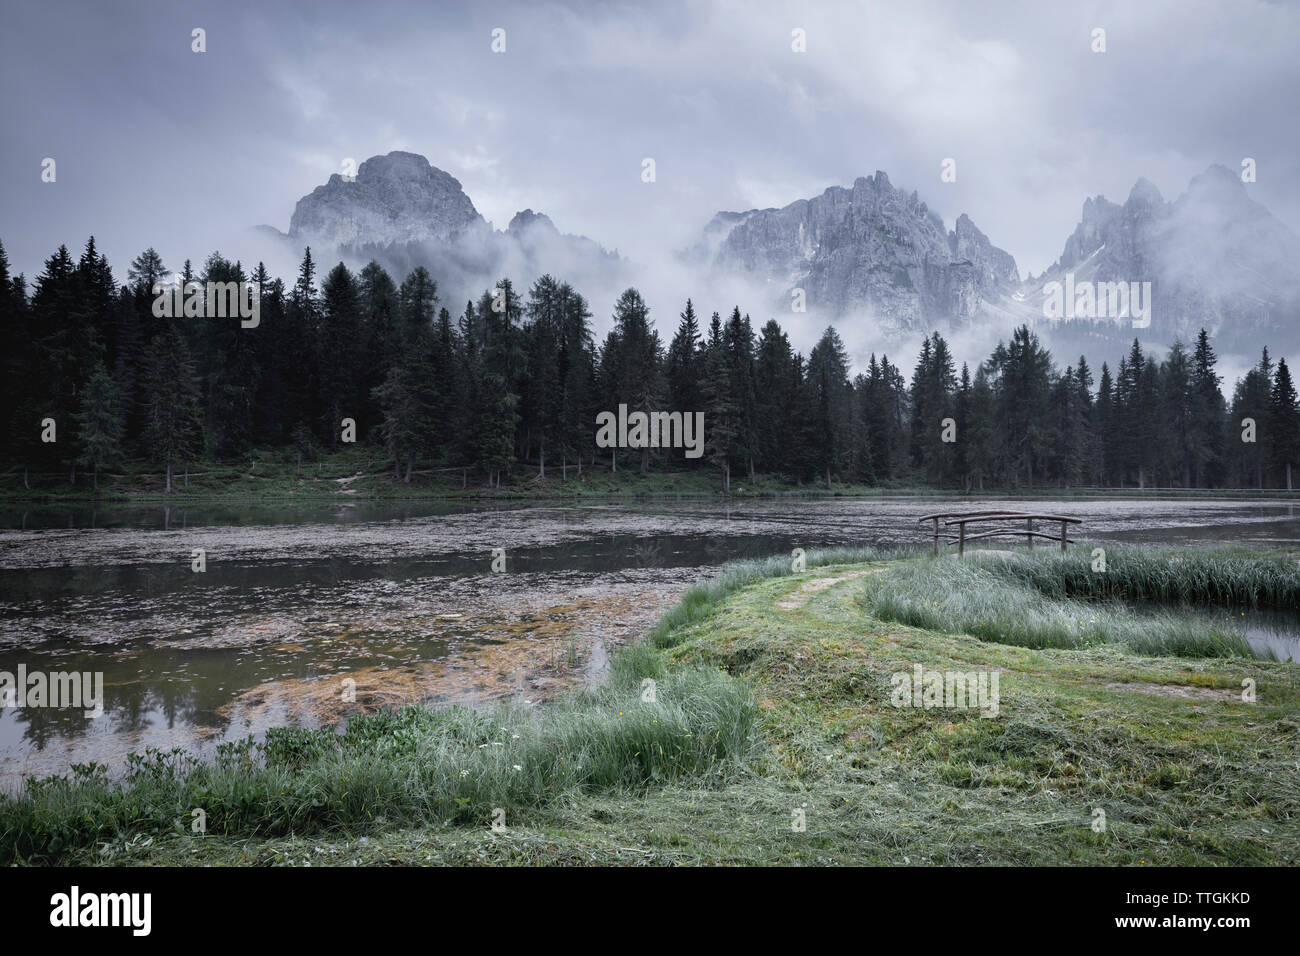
column 448, row 377
column 961, row 415
column 299, row 361
column 1251, row 401
column 146, row 271
column 340, row 378
column 173, row 429
column 502, row 366
column 541, row 397
column 577, row 379
column 631, row 359
column 933, row 383
column 276, row 407
column 1022, row 371
column 1104, row 422
column 828, row 379
column 775, row 387
column 1149, row 436
column 402, row 422
column 381, row 336
column 1284, row 424
column 226, row 356
column 981, row 431
column 682, row 366
column 1177, row 415
column 1207, row 413
column 721, row 413
column 99, row 424
column 738, row 337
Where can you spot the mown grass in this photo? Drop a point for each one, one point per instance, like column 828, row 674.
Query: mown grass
column 1152, row 602
column 700, row 600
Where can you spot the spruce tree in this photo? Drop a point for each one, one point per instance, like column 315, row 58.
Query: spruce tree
column 173, row 416
column 1208, row 412
column 99, row 424
column 1284, row 425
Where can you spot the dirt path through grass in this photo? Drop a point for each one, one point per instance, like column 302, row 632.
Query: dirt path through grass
column 806, row 590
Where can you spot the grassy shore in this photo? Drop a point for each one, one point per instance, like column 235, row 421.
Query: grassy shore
column 772, row 698
column 360, row 474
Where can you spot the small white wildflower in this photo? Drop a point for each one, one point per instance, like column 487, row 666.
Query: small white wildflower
column 517, row 767
column 464, row 773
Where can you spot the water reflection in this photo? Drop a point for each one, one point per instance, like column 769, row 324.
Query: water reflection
column 297, row 595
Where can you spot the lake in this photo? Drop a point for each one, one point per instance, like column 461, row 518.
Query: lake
column 302, row 607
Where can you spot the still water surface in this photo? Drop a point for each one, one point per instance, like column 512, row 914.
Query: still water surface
column 401, row 598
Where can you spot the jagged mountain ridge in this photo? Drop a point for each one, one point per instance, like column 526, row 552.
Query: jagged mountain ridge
column 1215, row 258
column 403, row 212
column 869, row 247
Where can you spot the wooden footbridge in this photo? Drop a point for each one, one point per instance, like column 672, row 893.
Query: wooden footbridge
column 1012, row 518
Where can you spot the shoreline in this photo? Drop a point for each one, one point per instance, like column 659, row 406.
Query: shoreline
column 1184, row 769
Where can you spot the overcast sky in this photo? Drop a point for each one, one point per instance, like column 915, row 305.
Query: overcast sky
column 157, row 145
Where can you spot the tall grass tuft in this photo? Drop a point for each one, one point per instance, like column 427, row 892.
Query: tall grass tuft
column 413, row 766
column 1150, row 601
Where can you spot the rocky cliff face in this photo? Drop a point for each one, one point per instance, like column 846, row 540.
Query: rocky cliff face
column 396, row 198
column 403, row 212
column 1215, row 258
column 869, row 247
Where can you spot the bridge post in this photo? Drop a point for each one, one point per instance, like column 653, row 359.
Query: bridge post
column 1030, row 536
column 936, row 537
column 1062, row 536
column 961, row 540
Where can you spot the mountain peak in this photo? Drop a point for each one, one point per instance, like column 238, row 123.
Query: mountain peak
column 1219, row 184
column 1144, row 192
column 527, row 219
column 871, row 247
column 398, row 197
column 1216, row 259
column 402, row 211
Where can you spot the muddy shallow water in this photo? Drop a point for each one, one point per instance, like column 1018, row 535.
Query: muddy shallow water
column 402, row 600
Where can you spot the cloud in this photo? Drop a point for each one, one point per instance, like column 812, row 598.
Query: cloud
column 160, row 146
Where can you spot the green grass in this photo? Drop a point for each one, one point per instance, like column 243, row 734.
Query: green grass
column 276, row 474
column 403, row 766
column 1055, row 600
column 784, row 684
column 700, row 600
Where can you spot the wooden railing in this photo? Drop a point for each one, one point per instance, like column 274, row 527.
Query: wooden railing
column 961, row 519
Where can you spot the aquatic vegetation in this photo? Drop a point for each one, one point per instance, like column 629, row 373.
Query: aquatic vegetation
column 411, row 766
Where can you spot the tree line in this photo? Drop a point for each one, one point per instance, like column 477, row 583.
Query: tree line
column 510, row 386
